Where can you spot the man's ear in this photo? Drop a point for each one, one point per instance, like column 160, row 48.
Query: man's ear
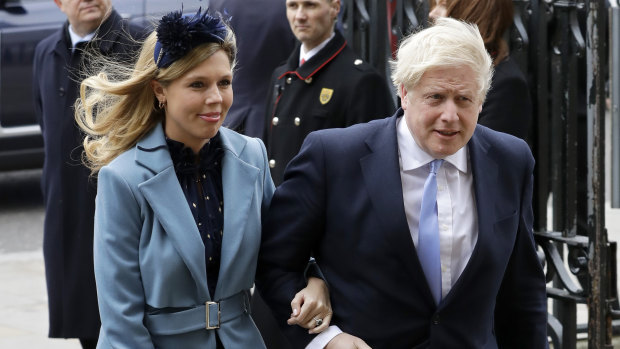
column 336, row 7
column 404, row 100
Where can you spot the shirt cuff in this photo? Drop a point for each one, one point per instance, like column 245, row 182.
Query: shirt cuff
column 321, row 339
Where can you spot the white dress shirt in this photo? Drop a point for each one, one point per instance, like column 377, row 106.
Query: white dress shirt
column 76, row 39
column 306, row 55
column 456, row 204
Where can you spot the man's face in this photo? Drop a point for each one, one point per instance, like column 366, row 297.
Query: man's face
column 312, row 21
column 442, row 109
column 84, row 15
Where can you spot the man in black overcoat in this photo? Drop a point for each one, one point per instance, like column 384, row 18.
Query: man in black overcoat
column 324, row 84
column 264, row 41
column 68, row 192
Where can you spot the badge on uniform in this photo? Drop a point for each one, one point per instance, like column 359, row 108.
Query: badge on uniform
column 326, row 95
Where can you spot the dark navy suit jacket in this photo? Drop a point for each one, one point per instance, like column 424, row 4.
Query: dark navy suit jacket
column 342, row 201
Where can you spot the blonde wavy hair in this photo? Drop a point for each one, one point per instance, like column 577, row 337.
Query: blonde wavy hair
column 117, row 106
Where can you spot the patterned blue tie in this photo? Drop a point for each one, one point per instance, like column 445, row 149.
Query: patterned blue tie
column 428, row 235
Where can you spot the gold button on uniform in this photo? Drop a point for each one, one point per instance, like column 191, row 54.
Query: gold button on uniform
column 297, row 121
column 275, row 121
column 289, row 80
column 308, row 80
column 272, row 163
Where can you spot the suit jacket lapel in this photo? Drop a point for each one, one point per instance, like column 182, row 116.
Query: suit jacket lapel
column 381, row 172
column 164, row 194
column 238, row 182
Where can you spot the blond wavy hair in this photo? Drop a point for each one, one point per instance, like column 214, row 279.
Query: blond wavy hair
column 117, row 106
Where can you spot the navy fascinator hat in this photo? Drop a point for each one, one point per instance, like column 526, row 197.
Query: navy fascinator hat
column 177, row 34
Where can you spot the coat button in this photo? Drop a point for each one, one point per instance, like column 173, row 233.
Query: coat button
column 308, row 80
column 61, row 91
column 297, row 121
column 435, row 319
column 275, row 121
column 289, row 80
column 272, row 163
column 358, row 61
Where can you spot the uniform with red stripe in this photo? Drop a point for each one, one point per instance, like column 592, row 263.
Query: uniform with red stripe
column 334, row 88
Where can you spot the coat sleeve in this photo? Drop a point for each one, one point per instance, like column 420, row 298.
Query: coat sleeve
column 293, row 227
column 120, row 292
column 370, row 99
column 521, row 309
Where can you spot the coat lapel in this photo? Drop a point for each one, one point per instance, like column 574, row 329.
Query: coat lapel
column 238, row 182
column 381, row 171
column 164, row 194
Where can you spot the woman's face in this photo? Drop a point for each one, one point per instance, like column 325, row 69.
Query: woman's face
column 439, row 10
column 196, row 103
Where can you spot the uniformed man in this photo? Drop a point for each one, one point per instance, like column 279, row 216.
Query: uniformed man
column 324, row 84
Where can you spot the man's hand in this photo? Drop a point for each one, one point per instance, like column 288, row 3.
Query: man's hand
column 346, row 341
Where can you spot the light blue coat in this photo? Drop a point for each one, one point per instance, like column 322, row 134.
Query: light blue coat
column 148, row 251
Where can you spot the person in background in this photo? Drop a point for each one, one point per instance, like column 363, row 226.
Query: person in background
column 421, row 222
column 180, row 199
column 264, row 40
column 92, row 26
column 324, row 84
column 508, row 106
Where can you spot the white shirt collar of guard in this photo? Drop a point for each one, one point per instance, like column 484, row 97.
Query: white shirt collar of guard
column 307, row 55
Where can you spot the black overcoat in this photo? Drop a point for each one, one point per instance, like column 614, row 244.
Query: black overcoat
column 334, row 88
column 68, row 193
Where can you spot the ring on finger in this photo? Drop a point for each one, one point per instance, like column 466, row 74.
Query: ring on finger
column 318, row 322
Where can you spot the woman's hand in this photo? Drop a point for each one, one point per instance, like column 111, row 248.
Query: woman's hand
column 311, row 307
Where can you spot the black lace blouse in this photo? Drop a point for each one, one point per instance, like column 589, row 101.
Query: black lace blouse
column 200, row 177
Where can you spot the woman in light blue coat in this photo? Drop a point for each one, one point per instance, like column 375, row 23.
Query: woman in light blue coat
column 180, row 200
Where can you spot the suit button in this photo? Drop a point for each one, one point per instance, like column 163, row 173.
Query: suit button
column 272, row 163
column 435, row 319
column 289, row 80
column 275, row 121
column 61, row 91
column 297, row 121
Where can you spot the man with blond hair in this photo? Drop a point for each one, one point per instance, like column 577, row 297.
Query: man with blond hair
column 422, row 222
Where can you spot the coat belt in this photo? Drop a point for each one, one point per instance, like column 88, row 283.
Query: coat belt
column 207, row 316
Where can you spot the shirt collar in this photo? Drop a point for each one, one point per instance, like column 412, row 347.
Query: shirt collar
column 303, row 54
column 76, row 39
column 412, row 156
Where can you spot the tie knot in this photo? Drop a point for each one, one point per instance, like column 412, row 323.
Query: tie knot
column 435, row 165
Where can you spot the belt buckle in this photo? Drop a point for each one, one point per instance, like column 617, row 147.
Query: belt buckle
column 212, row 308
